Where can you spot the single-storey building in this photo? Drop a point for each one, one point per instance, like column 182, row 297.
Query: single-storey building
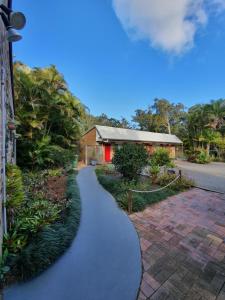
column 99, row 142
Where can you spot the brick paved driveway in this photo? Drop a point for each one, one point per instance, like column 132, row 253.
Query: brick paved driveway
column 183, row 247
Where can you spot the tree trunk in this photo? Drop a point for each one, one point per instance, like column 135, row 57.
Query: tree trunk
column 207, row 148
column 168, row 125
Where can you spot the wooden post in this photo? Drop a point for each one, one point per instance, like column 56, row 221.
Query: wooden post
column 180, row 173
column 130, row 204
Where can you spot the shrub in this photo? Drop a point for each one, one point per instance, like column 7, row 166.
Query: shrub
column 199, row 156
column 160, row 158
column 130, row 159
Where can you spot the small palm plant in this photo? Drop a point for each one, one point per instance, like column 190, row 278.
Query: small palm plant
column 154, row 171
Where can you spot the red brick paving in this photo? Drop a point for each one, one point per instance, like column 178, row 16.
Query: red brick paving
column 183, row 247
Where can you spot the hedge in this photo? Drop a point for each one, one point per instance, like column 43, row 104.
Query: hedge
column 51, row 243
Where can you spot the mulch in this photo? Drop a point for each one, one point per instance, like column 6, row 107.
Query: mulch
column 55, row 189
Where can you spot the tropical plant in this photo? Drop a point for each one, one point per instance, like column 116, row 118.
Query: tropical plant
column 15, row 192
column 49, row 118
column 206, row 123
column 154, row 171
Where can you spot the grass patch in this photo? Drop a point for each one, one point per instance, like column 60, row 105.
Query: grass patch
column 48, row 244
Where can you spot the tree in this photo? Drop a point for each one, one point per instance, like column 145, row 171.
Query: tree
column 205, row 124
column 104, row 120
column 215, row 112
column 48, row 116
column 145, row 119
column 163, row 110
column 163, row 117
column 130, row 159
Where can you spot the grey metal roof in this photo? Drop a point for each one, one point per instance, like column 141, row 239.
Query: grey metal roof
column 121, row 134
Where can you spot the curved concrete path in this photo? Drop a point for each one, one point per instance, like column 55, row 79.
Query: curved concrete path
column 104, row 261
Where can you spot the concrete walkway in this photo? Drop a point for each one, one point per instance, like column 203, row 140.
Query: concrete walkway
column 104, row 261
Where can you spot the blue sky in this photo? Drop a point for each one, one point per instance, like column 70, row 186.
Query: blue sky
column 117, row 58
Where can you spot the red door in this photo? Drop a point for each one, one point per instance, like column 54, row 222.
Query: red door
column 107, row 153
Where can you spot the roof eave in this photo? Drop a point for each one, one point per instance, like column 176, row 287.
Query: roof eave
column 106, row 140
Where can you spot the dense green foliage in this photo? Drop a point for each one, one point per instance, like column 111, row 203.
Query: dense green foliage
column 49, row 243
column 199, row 156
column 32, row 218
column 160, row 158
column 48, row 117
column 15, row 193
column 119, row 187
column 27, row 213
column 129, row 159
column 162, row 116
column 206, row 129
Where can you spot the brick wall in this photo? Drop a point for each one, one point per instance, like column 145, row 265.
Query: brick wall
column 5, row 89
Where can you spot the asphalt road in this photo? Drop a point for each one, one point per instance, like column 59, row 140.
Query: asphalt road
column 210, row 176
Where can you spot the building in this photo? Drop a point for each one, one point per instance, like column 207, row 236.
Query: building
column 7, row 135
column 99, row 142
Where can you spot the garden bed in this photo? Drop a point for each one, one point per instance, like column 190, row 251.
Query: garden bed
column 54, row 200
column 113, row 182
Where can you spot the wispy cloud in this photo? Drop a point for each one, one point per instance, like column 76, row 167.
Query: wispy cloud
column 169, row 25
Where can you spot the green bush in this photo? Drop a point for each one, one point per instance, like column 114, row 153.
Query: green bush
column 130, row 159
column 49, row 243
column 160, row 158
column 199, row 156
